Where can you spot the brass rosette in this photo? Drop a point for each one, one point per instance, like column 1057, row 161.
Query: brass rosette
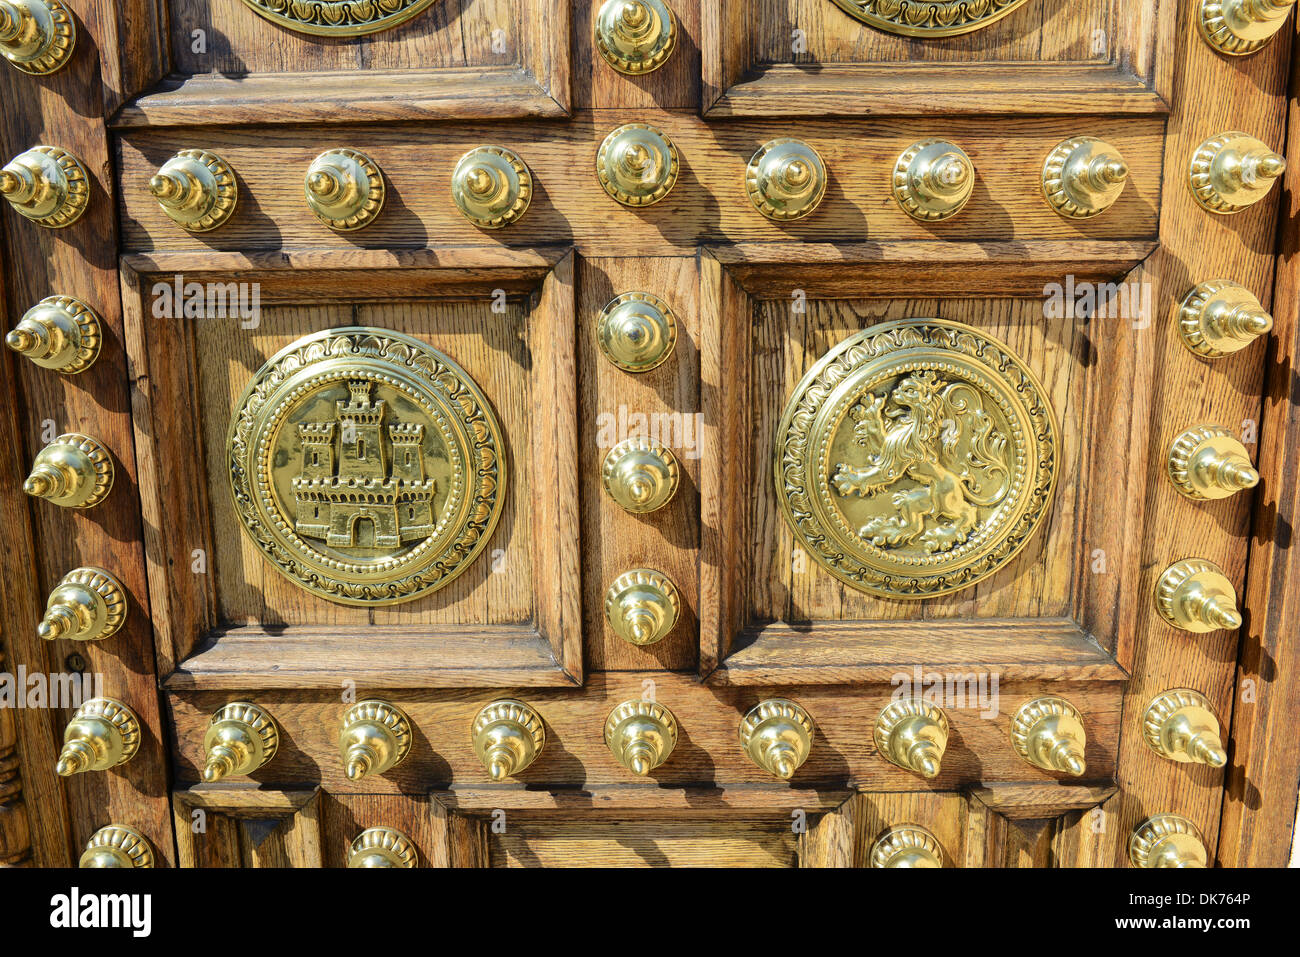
column 338, row 18
column 117, row 845
column 46, row 36
column 939, row 18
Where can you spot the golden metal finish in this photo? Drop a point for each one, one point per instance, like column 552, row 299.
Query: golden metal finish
column 640, row 735
column 934, row 18
column 36, row 36
column 636, row 331
column 117, row 845
column 1207, row 462
column 345, row 189
column 366, row 466
column 101, row 735
column 1219, row 317
column 785, row 179
column 507, row 735
column 640, row 474
column 642, row 605
column 916, row 458
column 59, row 333
column 241, row 737
column 637, row 164
column 1239, row 27
column 777, row 735
column 1083, row 177
column 1180, row 725
column 912, row 734
column 635, row 36
column 375, row 736
column 1231, row 171
column 907, row 845
column 88, row 605
column 74, row 471
column 491, row 186
column 1048, row 733
column 933, row 180
column 48, row 185
column 338, row 18
column 196, row 189
column 1167, row 840
column 382, row 847
column 1195, row 595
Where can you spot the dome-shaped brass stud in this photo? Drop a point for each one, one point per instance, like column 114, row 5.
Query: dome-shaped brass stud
column 374, row 737
column 507, row 736
column 36, row 36
column 1219, row 317
column 1048, row 733
column 117, row 845
column 382, row 847
column 635, row 36
column 196, row 189
column 777, row 736
column 48, row 185
column 345, row 189
column 1195, row 595
column 642, row 606
column 785, row 179
column 241, row 737
column 59, row 333
column 89, row 604
column 636, row 331
column 1083, row 177
column 74, row 471
column 1207, row 462
column 933, row 180
column 1180, row 725
column 1231, row 171
column 907, row 845
column 641, row 735
column 491, row 187
column 101, row 735
column 637, row 164
column 1167, row 840
column 640, row 474
column 912, row 734
column 1239, row 27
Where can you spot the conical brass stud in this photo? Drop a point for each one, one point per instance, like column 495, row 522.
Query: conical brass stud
column 59, row 333
column 375, row 736
column 777, row 736
column 1195, row 595
column 36, row 36
column 1220, row 317
column 74, row 471
column 640, row 474
column 1179, row 725
column 89, row 604
column 1207, row 462
column 637, row 164
column 1083, row 177
column 1167, row 840
column 197, row 189
column 635, row 36
column 1231, row 171
column 786, row 180
column 241, row 737
column 640, row 735
column 636, row 331
column 913, row 735
column 345, row 189
column 908, row 845
column 382, row 847
column 101, row 735
column 507, row 736
column 642, row 606
column 48, row 185
column 1048, row 733
column 117, row 845
column 491, row 187
column 933, row 180
column 1239, row 27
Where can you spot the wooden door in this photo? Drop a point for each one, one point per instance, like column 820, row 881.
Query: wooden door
column 972, row 551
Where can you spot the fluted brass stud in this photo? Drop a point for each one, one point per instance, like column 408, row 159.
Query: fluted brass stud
column 636, row 331
column 1083, row 177
column 640, row 474
column 1180, row 725
column 1219, row 317
column 491, row 187
column 48, row 185
column 117, row 845
column 1230, row 171
column 36, row 36
column 637, row 164
column 197, row 189
column 375, row 736
column 345, row 189
column 241, row 737
column 912, row 734
column 640, row 735
column 1207, row 462
column 933, row 180
column 1195, row 595
column 635, row 36
column 59, row 333
column 642, row 606
column 785, row 179
column 74, row 471
column 101, row 735
column 1048, row 733
column 382, row 847
column 777, row 736
column 1167, row 840
column 507, row 736
column 1239, row 27
column 907, row 845
column 89, row 604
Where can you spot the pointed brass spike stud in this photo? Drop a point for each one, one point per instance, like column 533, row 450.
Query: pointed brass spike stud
column 640, row 474
column 1219, row 317
column 36, row 36
column 1083, row 177
column 1048, row 733
column 636, row 331
column 382, row 847
column 637, row 164
column 786, row 180
column 491, row 187
column 241, row 737
column 345, row 189
column 59, row 333
column 642, row 606
column 635, row 36
column 1240, row 27
column 101, row 735
column 74, row 471
column 1181, row 726
column 89, row 604
column 507, row 736
column 640, row 734
column 196, row 189
column 1167, row 840
column 375, row 736
column 1208, row 462
column 48, row 185
column 933, row 180
column 1195, row 595
column 907, row 845
column 1231, row 171
column 777, row 736
column 117, row 845
column 912, row 734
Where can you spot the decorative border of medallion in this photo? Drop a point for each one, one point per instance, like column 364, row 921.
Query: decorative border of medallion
column 338, row 18
column 928, row 18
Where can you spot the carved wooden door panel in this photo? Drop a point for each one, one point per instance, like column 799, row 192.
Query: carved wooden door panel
column 521, row 433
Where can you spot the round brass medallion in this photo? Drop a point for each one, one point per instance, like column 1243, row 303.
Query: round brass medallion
column 932, row 18
column 916, row 458
column 366, row 466
column 338, row 18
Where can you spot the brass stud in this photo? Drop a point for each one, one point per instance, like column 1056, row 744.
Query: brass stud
column 786, row 179
column 1048, row 733
column 640, row 474
column 907, row 845
column 37, row 36
column 374, row 737
column 196, row 189
column 641, row 735
column 637, row 164
column 74, row 471
column 777, row 736
column 117, row 845
column 507, row 736
column 59, row 333
column 89, row 604
column 1239, row 27
column 1180, row 725
column 1167, row 840
column 345, row 189
column 47, row 185
column 1083, row 177
column 382, row 847
column 636, row 331
column 491, row 187
column 1231, row 171
column 1207, row 462
column 241, row 737
column 912, row 734
column 642, row 606
column 1195, row 595
column 1219, row 317
column 933, row 180
column 101, row 735
column 635, row 36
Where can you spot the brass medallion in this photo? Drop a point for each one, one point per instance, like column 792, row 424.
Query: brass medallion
column 366, row 466
column 928, row 18
column 916, row 458
column 338, row 18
